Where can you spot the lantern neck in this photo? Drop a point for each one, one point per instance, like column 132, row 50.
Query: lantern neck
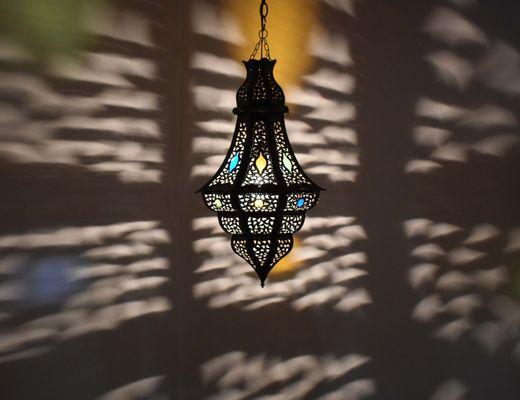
column 260, row 92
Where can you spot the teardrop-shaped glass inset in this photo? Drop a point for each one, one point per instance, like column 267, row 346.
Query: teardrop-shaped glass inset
column 260, row 163
column 300, row 202
column 287, row 162
column 234, row 162
column 217, row 203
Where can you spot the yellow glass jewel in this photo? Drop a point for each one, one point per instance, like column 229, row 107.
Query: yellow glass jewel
column 259, row 203
column 260, row 163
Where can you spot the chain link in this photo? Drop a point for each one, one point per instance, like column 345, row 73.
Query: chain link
column 266, row 48
column 262, row 44
column 253, row 54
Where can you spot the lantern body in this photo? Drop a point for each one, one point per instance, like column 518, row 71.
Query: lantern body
column 260, row 192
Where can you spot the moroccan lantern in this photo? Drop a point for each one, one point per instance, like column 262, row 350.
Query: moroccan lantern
column 260, row 192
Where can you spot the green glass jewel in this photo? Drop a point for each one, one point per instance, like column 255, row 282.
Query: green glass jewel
column 287, row 163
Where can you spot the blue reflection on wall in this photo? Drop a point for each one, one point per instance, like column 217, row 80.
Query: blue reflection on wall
column 49, row 279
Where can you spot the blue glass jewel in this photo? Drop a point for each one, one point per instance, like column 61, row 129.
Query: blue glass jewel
column 300, row 202
column 234, row 162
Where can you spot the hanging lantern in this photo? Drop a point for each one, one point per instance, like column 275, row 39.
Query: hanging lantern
column 260, row 192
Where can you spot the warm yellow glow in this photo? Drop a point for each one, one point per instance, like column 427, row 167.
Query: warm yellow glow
column 288, row 265
column 259, row 203
column 261, row 163
column 289, row 24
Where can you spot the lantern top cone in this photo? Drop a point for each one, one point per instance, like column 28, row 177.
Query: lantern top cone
column 260, row 92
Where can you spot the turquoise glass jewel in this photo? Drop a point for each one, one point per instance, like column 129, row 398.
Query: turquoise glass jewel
column 234, row 162
column 300, row 202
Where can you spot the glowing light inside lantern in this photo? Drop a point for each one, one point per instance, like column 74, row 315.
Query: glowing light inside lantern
column 259, row 203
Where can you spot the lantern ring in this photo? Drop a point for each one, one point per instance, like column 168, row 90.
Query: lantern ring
column 264, row 9
column 262, row 34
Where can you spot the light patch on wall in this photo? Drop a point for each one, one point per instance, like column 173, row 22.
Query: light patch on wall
column 289, row 24
column 289, row 265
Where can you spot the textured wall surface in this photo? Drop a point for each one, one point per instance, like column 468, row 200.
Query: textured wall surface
column 116, row 283
column 84, row 249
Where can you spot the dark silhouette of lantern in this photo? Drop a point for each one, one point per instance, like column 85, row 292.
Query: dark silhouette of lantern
column 260, row 192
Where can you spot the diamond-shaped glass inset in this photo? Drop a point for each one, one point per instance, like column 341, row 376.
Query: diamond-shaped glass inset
column 287, row 163
column 234, row 162
column 260, row 163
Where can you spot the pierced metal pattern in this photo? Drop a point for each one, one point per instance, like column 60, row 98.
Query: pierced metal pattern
column 218, row 202
column 251, row 202
column 230, row 225
column 260, row 192
column 261, row 225
column 260, row 169
column 292, row 223
column 291, row 170
column 231, row 166
column 261, row 250
column 260, row 90
column 301, row 201
column 283, row 248
column 240, row 248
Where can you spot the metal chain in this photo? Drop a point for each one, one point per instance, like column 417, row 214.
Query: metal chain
column 262, row 33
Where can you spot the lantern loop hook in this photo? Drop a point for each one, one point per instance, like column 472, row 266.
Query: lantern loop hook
column 262, row 44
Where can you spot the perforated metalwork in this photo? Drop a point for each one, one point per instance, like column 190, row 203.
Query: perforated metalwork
column 218, row 202
column 282, row 249
column 260, row 225
column 261, row 250
column 291, row 170
column 301, row 201
column 260, row 192
column 260, row 91
column 230, row 225
column 292, row 223
column 240, row 248
column 226, row 174
column 254, row 202
column 259, row 148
